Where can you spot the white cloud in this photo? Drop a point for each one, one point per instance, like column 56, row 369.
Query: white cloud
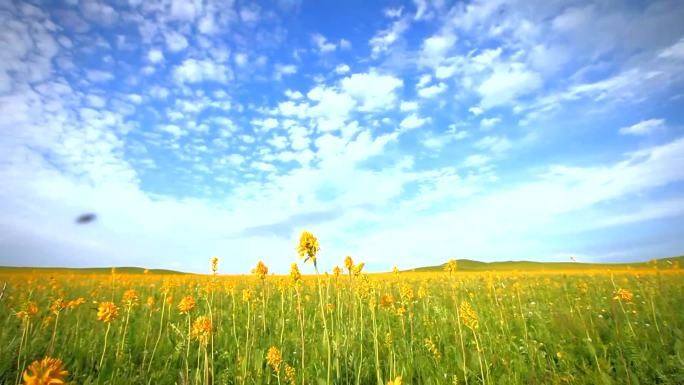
column 675, row 51
column 290, row 108
column 393, row 13
column 508, row 83
column 345, row 44
column 98, row 76
column 424, row 80
column 432, row 91
column 384, row 39
column 408, row 106
column 284, row 69
column 322, row 43
column 332, row 107
column 645, row 127
column 435, row 48
column 96, row 101
column 197, row 71
column 487, row 123
column 342, row 69
column 175, row 41
column 413, row 121
column 99, row 12
column 183, row 10
column 295, row 95
column 171, row 129
column 476, row 160
column 372, row 90
column 155, row 55
column 475, row 110
column 265, row 124
column 159, row 92
column 494, row 143
column 240, row 59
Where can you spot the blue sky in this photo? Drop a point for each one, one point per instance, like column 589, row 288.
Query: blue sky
column 400, row 133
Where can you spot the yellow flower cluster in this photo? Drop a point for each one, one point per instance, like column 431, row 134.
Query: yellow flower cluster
column 623, row 295
column 201, row 329
column 450, row 266
column 186, row 305
column 47, row 371
column 432, row 348
column 274, row 358
column 290, row 375
column 30, row 312
column 396, row 381
column 468, row 315
column 308, row 246
column 295, row 275
column 130, row 298
column 107, row 311
column 349, row 264
column 261, row 271
column 214, row 265
column 406, row 293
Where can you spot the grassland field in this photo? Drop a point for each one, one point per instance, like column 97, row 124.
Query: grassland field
column 477, row 323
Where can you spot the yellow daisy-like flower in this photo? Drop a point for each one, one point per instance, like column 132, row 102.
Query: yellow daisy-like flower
column 623, row 295
column 308, row 246
column 48, row 371
column 107, row 311
column 336, row 271
column 201, row 329
column 186, row 305
column 261, row 271
column 130, row 298
column 396, row 381
column 274, row 358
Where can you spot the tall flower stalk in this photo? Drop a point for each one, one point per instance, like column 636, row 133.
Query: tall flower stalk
column 307, row 249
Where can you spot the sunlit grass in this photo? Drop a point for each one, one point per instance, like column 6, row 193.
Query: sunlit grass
column 574, row 326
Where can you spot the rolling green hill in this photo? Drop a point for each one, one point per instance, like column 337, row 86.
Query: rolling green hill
column 86, row 270
column 470, row 265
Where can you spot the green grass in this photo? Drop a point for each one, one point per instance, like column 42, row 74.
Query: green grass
column 85, row 270
column 470, row 265
column 532, row 328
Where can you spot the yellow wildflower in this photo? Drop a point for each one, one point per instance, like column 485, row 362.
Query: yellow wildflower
column 47, row 371
column 107, row 311
column 201, row 329
column 214, row 265
column 468, row 315
column 623, row 295
column 308, row 246
column 187, row 304
column 261, row 271
column 274, row 358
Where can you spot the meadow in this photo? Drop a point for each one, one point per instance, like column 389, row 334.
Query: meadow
column 446, row 326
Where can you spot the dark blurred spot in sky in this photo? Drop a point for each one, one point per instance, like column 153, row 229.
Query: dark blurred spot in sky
column 86, row 218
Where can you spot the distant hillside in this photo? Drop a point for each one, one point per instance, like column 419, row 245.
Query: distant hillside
column 470, row 265
column 87, row 270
